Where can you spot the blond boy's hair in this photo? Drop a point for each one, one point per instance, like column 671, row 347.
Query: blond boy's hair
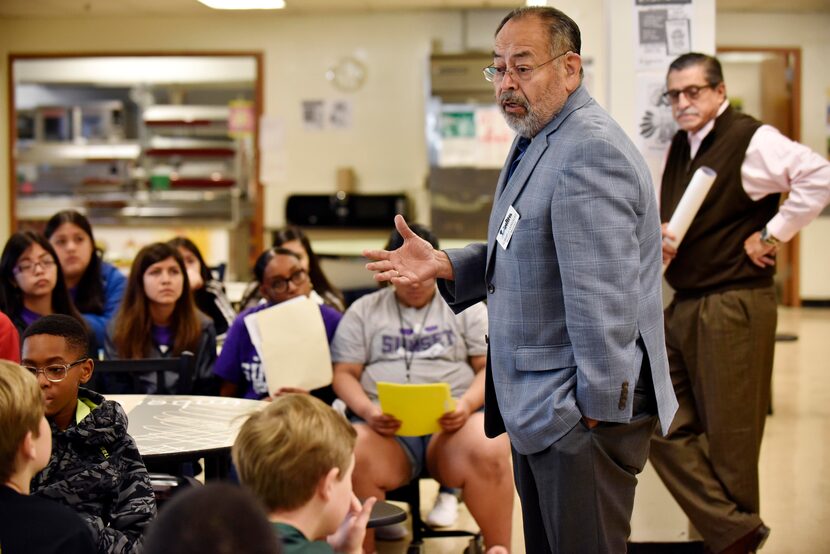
column 284, row 450
column 21, row 410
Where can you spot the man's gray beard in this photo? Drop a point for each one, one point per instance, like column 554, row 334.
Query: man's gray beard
column 527, row 126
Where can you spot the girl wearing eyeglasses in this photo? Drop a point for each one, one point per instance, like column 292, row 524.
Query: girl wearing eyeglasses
column 158, row 319
column 32, row 284
column 322, row 291
column 280, row 277
column 95, row 286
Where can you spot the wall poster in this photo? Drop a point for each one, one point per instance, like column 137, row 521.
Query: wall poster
column 656, row 126
column 664, row 30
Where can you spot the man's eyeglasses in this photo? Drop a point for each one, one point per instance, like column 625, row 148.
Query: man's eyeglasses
column 55, row 372
column 281, row 285
column 495, row 74
column 690, row 92
column 29, row 267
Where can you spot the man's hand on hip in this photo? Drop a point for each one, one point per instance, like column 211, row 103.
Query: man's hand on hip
column 761, row 253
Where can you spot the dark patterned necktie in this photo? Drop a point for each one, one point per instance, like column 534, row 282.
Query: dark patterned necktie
column 521, row 146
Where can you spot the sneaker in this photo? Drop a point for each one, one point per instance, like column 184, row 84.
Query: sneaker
column 445, row 511
column 394, row 532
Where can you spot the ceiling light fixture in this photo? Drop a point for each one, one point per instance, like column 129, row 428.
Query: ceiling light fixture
column 244, row 4
column 536, row 3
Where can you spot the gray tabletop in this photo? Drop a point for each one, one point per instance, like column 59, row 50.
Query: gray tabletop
column 164, row 425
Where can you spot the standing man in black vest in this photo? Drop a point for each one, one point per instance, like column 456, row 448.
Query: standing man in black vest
column 720, row 326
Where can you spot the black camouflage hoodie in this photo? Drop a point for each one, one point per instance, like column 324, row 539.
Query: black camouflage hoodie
column 95, row 469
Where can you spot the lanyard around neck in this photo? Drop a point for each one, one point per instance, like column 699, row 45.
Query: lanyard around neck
column 408, row 359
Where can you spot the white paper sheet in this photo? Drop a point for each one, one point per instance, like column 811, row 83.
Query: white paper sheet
column 273, row 160
column 292, row 344
column 689, row 205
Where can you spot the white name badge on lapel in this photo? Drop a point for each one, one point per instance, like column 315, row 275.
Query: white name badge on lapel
column 508, row 225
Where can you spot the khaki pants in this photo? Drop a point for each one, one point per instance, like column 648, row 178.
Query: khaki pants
column 720, row 350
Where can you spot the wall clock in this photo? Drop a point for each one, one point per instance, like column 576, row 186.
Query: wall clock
column 348, row 74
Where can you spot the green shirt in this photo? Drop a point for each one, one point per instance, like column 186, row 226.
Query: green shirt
column 294, row 542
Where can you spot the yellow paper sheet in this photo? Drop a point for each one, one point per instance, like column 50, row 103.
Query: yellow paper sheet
column 292, row 344
column 419, row 407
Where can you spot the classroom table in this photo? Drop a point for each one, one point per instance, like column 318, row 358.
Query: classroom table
column 181, row 428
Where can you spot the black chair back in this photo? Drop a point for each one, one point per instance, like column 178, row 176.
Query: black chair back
column 183, row 366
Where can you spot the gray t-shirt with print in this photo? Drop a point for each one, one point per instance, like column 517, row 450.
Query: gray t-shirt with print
column 433, row 341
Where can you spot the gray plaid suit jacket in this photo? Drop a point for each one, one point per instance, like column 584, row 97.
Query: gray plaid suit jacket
column 574, row 301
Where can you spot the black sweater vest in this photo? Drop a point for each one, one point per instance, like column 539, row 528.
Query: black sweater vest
column 711, row 257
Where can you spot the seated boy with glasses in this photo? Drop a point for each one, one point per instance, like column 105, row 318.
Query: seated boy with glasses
column 95, row 466
column 281, row 277
column 27, row 523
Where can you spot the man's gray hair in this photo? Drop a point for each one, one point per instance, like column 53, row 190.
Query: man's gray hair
column 711, row 66
column 564, row 32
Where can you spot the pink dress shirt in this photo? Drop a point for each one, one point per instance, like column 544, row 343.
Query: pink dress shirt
column 774, row 164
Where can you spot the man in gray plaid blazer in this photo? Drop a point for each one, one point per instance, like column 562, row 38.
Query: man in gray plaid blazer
column 571, row 272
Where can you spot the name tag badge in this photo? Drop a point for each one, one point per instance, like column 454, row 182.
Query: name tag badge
column 508, row 225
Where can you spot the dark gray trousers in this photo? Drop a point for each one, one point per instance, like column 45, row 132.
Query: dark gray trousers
column 577, row 495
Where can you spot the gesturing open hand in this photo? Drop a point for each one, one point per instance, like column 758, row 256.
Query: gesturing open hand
column 414, row 262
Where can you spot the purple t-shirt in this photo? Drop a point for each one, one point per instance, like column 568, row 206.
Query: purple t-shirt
column 162, row 336
column 239, row 362
column 29, row 317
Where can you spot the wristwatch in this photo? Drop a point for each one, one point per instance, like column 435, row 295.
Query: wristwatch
column 768, row 238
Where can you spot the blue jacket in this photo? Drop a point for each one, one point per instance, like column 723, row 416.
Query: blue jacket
column 114, row 284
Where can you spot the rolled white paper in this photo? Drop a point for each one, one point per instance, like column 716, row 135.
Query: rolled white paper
column 689, row 205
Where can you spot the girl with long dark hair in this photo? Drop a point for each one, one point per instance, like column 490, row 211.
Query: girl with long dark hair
column 95, row 286
column 158, row 318
column 208, row 293
column 32, row 284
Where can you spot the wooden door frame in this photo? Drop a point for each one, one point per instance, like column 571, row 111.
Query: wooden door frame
column 791, row 294
column 257, row 225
